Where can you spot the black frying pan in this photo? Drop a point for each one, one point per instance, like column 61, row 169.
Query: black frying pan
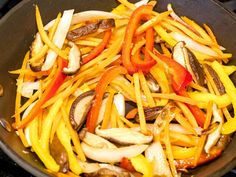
column 18, row 27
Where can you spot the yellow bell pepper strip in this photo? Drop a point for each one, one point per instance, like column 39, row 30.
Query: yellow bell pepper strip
column 47, row 94
column 65, row 139
column 134, row 21
column 230, row 125
column 142, row 165
column 44, row 156
column 100, row 89
column 180, row 76
column 183, row 152
column 203, row 99
column 98, row 49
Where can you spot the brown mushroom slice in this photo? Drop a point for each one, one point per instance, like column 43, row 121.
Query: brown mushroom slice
column 187, row 59
column 90, row 28
column 150, row 113
column 59, row 154
column 219, row 85
column 80, row 107
column 105, row 172
column 36, row 47
column 195, row 68
column 112, row 155
column 123, row 136
column 95, row 140
column 74, row 60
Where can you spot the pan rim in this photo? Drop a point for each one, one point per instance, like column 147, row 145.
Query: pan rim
column 36, row 171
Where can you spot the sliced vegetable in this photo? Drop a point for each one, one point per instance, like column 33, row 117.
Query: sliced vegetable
column 135, row 19
column 112, row 155
column 47, row 94
column 80, row 108
column 74, row 60
column 106, row 78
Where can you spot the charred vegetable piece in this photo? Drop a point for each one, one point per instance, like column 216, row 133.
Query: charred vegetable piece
column 59, row 153
column 74, row 60
column 5, row 124
column 104, row 172
column 80, row 108
column 187, row 59
column 150, row 113
column 90, row 28
column 1, row 90
column 36, row 47
column 219, row 85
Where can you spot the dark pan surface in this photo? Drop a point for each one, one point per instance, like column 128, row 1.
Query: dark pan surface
column 17, row 29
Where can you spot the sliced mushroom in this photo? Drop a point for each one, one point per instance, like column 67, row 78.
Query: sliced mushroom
column 119, row 101
column 90, row 28
column 80, row 107
column 214, row 136
column 187, row 59
column 89, row 167
column 112, row 155
column 36, row 47
column 74, row 60
column 155, row 154
column 150, row 113
column 105, row 172
column 152, row 84
column 5, row 124
column 59, row 154
column 102, row 108
column 94, row 140
column 219, row 85
column 123, row 136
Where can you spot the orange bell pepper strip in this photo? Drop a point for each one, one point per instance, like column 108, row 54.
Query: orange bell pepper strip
column 100, row 89
column 148, row 62
column 98, row 49
column 126, row 164
column 196, row 111
column 47, row 94
column 180, row 76
column 134, row 21
column 132, row 113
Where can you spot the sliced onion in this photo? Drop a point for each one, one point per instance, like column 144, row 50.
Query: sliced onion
column 28, row 88
column 59, row 38
column 140, row 3
column 155, row 154
column 112, row 155
column 26, row 130
column 102, row 110
column 89, row 167
column 119, row 101
column 191, row 44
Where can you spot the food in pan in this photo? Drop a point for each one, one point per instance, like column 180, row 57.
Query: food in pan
column 124, row 93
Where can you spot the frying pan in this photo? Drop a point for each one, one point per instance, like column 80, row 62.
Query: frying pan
column 17, row 30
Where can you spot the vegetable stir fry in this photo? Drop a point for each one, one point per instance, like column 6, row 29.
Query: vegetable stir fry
column 124, row 93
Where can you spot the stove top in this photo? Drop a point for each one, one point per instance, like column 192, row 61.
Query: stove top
column 8, row 168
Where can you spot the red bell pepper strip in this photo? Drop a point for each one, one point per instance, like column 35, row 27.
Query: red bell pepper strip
column 148, row 62
column 126, row 164
column 134, row 21
column 98, row 49
column 196, row 111
column 180, row 76
column 100, row 89
column 47, row 94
